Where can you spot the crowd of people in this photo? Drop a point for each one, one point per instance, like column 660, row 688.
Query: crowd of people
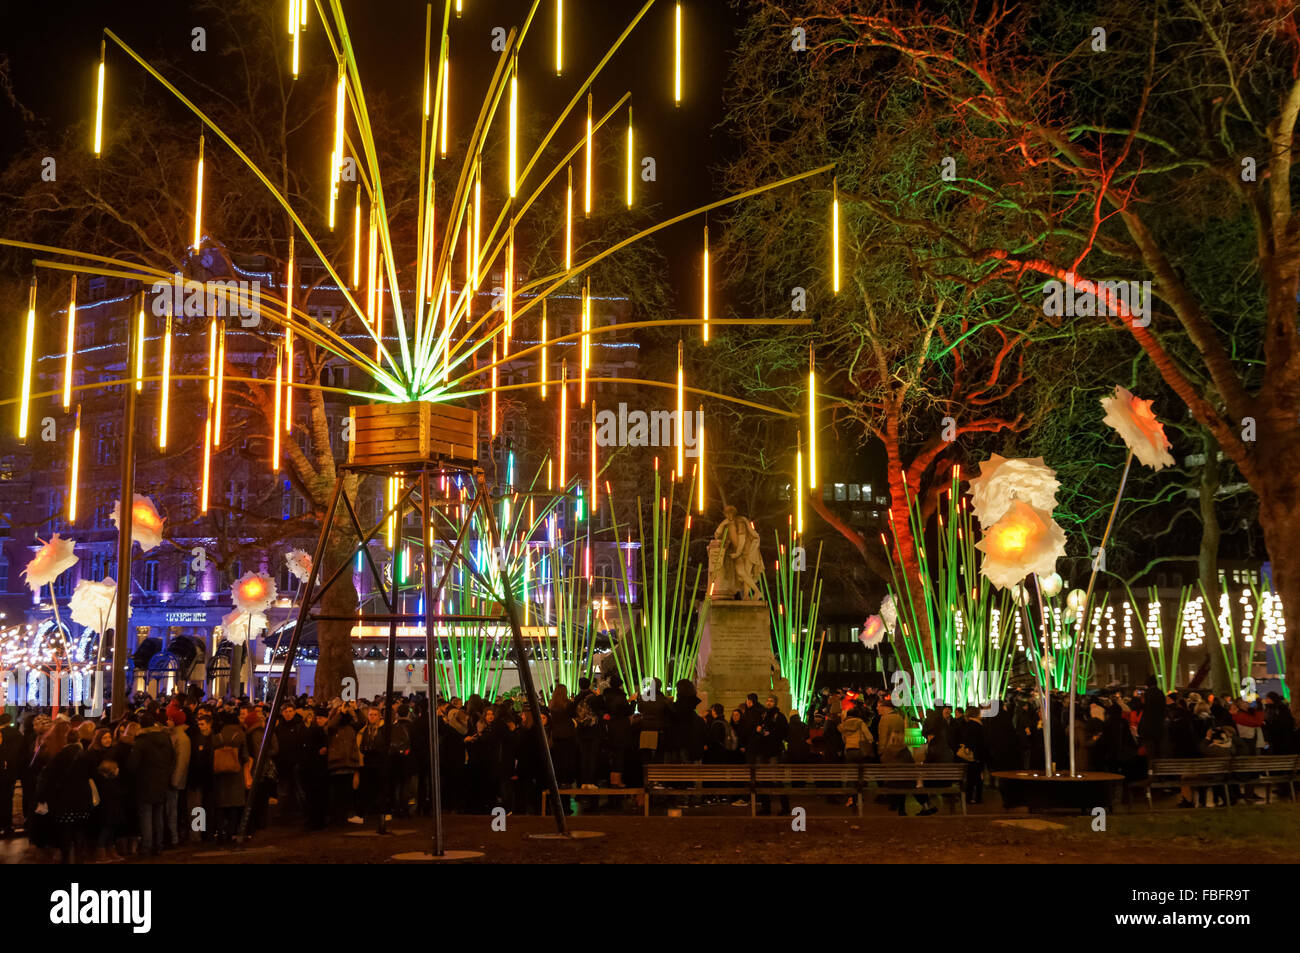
column 180, row 768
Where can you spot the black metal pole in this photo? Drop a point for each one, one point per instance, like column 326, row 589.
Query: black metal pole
column 435, row 779
column 525, row 673
column 386, row 765
column 308, row 593
column 125, row 508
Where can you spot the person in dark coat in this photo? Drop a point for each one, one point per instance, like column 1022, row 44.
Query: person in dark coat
column 685, row 727
column 588, row 709
column 11, row 744
column 63, row 791
column 618, row 729
column 229, row 787
column 290, row 753
column 344, row 763
column 152, row 761
column 656, row 715
column 314, row 770
column 968, row 734
column 750, row 716
column 1151, row 726
column 769, row 744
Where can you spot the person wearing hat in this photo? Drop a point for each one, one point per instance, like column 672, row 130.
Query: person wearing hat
column 178, row 833
column 314, row 769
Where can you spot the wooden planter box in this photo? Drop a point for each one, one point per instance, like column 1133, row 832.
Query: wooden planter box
column 414, row 432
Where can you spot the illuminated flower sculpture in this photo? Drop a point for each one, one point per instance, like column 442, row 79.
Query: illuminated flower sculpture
column 49, row 562
column 254, row 592
column 889, row 612
column 241, row 625
column 873, row 631
column 1143, row 433
column 92, row 604
column 146, row 524
column 1003, row 481
column 299, row 563
column 1026, row 539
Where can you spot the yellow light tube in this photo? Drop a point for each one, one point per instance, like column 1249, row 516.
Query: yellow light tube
column 166, row 385
column 99, row 101
column 835, row 236
column 293, row 17
column 446, row 101
column 595, row 500
column 275, row 430
column 513, row 157
column 681, row 410
column 478, row 206
column 630, row 160
column 139, row 350
column 559, row 37
column 705, row 302
column 295, row 54
column 798, row 483
column 586, row 205
column 70, row 346
column 356, row 241
column 207, row 460
column 510, row 289
column 212, row 360
column 221, row 377
column 699, row 504
column 812, row 420
column 198, row 199
column 72, row 475
column 544, row 366
column 564, row 414
column 568, row 224
column 492, row 429
column 290, row 282
column 336, row 156
column 677, row 56
column 582, row 349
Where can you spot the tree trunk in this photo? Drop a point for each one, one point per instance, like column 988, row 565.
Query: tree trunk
column 1207, row 561
column 1279, row 516
column 335, row 638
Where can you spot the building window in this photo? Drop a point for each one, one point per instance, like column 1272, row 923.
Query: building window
column 149, row 582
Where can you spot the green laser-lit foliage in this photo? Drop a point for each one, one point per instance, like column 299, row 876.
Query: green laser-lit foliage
column 793, row 599
column 662, row 639
column 951, row 619
column 1250, row 622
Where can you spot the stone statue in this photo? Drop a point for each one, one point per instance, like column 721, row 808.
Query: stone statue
column 734, row 561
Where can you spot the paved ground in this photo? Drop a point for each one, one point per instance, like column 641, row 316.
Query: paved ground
column 1246, row 834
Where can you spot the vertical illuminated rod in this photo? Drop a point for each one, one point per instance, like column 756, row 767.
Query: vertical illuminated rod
column 544, row 364
column 372, row 252
column 164, row 406
column 72, row 475
column 336, row 155
column 294, row 31
column 389, row 496
column 568, row 224
column 705, row 301
column 493, row 425
column 835, row 236
column 559, row 37
column 798, row 482
column 564, row 414
column 207, row 461
column 459, row 9
column 700, row 444
column 275, row 430
column 677, row 57
column 356, row 241
column 681, row 409
column 379, row 308
column 302, row 12
column 478, row 205
column 99, row 102
column 29, row 355
column 812, row 419
column 220, row 375
column 212, row 362
column 70, row 345
column 594, row 469
column 582, row 349
column 630, row 160
column 198, row 198
column 446, row 101
column 290, row 282
column 139, row 349
column 586, row 204
column 510, row 289
column 514, row 126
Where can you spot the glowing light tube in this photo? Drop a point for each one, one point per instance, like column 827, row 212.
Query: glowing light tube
column 704, row 305
column 681, row 410
column 198, row 199
column 72, row 473
column 677, row 56
column 812, row 420
column 586, row 203
column 221, row 371
column 70, row 345
column 166, row 385
column 99, row 101
column 544, row 362
column 568, row 224
column 275, row 430
column 559, row 37
column 564, row 414
column 630, row 160
column 139, row 349
column 699, row 503
column 835, row 236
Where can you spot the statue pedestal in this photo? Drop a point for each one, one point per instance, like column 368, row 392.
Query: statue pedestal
column 736, row 656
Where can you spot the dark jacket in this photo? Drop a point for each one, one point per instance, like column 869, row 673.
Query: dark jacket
column 64, row 784
column 769, row 739
column 152, row 761
column 343, row 757
column 618, row 714
column 228, row 789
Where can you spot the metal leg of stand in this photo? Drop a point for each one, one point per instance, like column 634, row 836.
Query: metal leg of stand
column 435, row 774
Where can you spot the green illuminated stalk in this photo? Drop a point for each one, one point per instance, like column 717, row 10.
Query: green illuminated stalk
column 793, row 612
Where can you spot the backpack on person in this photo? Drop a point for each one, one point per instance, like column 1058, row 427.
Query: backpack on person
column 731, row 741
column 586, row 716
column 225, row 759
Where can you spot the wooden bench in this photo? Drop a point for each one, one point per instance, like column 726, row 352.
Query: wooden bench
column 1170, row 773
column 764, row 779
column 1268, row 770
